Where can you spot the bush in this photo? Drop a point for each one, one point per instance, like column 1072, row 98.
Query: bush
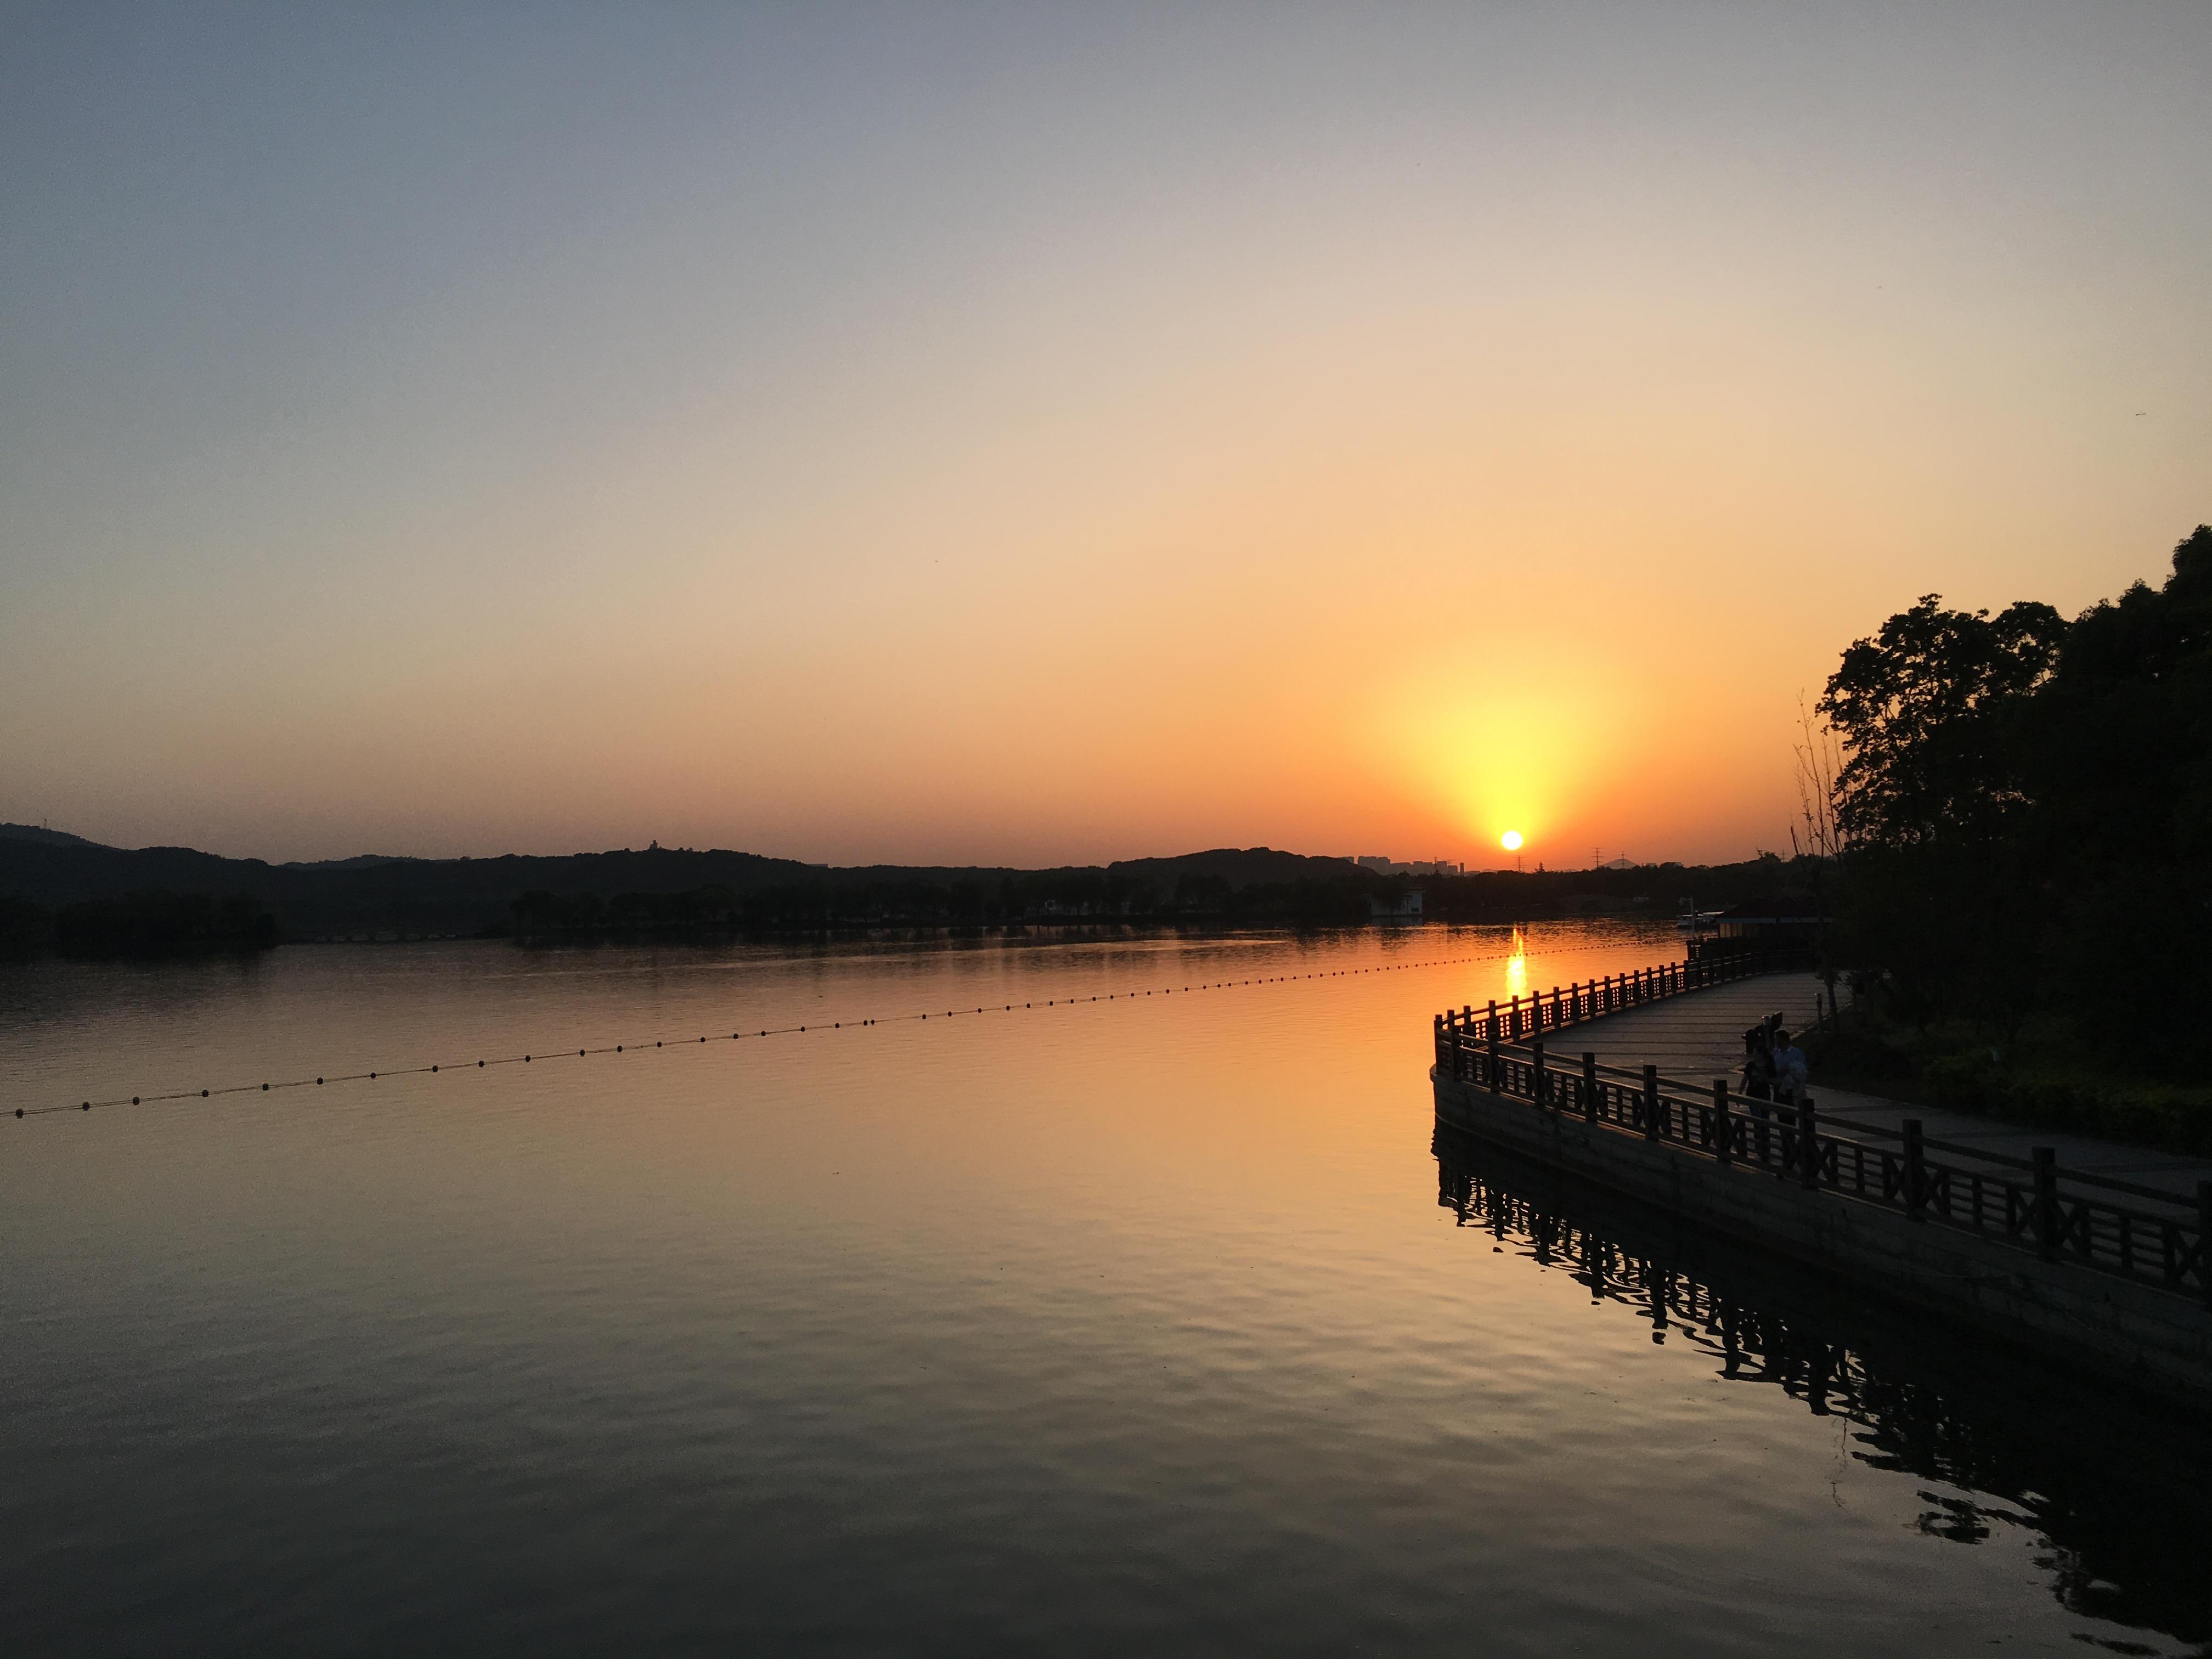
column 2111, row 1107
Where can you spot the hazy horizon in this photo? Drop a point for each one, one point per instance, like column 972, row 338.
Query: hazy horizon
column 1019, row 437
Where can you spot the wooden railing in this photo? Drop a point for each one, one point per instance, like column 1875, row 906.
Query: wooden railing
column 2030, row 1204
column 1521, row 1018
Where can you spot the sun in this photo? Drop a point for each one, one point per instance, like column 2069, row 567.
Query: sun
column 1511, row 840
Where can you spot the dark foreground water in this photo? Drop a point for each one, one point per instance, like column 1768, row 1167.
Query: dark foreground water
column 1169, row 1324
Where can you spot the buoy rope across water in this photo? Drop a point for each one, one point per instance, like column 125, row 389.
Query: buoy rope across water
column 588, row 1051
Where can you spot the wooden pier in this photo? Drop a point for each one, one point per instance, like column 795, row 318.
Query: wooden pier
column 2111, row 1272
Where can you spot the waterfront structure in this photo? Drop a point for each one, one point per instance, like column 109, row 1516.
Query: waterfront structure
column 2109, row 1274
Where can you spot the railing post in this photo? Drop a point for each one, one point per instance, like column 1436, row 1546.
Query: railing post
column 1650, row 1102
column 1721, row 1150
column 1589, row 1085
column 1513, row 1018
column 1490, row 1063
column 2204, row 1240
column 1543, row 1080
column 1916, row 1171
column 1808, row 1143
column 1555, row 1007
column 2046, row 1201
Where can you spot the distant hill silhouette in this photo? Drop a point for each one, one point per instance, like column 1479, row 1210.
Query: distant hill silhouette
column 366, row 894
column 58, row 838
column 34, row 832
column 667, row 890
column 373, row 893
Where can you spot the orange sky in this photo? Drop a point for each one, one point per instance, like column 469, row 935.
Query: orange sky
column 1031, row 438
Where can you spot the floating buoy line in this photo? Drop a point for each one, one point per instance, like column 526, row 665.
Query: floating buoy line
column 588, row 1052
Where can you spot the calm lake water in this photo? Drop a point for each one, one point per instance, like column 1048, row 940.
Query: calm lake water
column 1168, row 1324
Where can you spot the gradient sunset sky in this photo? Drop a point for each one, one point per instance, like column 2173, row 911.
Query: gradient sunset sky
column 1026, row 435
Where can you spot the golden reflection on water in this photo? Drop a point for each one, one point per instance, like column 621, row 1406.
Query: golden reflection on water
column 1517, row 967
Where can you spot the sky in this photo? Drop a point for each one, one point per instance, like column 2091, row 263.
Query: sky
column 1032, row 435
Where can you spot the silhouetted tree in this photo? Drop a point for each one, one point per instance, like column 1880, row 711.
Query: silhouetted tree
column 1922, row 708
column 2027, row 805
column 2115, row 752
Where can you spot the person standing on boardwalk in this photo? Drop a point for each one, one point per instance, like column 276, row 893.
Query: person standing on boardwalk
column 1759, row 1076
column 1758, row 1064
column 1789, row 1068
column 1790, row 1071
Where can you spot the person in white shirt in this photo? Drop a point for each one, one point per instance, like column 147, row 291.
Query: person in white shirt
column 1789, row 1074
column 1790, row 1069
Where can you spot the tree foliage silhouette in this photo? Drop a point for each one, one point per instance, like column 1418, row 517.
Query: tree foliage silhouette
column 1923, row 707
column 2026, row 805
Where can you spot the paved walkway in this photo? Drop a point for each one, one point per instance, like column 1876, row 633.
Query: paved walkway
column 1697, row 1037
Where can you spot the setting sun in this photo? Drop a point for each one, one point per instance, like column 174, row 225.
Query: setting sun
column 1512, row 841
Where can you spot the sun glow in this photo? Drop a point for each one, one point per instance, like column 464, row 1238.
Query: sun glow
column 1510, row 840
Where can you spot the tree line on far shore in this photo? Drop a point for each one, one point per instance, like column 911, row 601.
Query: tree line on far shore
column 1354, row 897
column 145, row 922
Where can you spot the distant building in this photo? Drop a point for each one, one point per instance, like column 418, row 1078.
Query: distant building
column 1387, row 866
column 1791, row 920
column 1406, row 907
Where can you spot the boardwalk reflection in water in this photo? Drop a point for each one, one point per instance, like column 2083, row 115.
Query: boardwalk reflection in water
column 2117, row 1498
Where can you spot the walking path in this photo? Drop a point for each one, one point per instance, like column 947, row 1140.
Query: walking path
column 1698, row 1037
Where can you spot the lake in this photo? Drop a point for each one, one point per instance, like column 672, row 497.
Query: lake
column 1167, row 1323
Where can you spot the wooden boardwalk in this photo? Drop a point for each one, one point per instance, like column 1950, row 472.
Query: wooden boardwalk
column 1697, row 1037
column 2095, row 1251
